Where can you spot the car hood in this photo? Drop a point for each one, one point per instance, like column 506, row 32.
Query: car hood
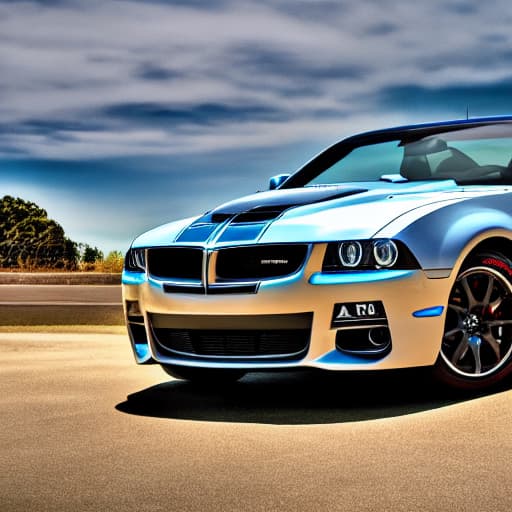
column 313, row 214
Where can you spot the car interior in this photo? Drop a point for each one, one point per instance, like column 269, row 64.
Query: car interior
column 434, row 159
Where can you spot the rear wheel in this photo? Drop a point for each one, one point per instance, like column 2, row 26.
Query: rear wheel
column 210, row 376
column 476, row 348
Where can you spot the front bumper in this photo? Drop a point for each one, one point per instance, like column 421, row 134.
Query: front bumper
column 416, row 338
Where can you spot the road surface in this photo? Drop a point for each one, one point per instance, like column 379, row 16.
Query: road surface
column 60, row 304
column 60, row 294
column 84, row 429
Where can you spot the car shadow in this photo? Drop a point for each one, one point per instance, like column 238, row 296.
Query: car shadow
column 295, row 398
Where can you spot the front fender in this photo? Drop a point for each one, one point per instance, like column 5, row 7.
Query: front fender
column 442, row 238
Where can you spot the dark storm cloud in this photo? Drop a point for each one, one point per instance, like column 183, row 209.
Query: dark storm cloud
column 156, row 72
column 49, row 126
column 317, row 10
column 202, row 114
column 382, row 29
column 464, row 8
column 476, row 60
column 205, row 4
column 481, row 100
column 256, row 59
column 41, row 2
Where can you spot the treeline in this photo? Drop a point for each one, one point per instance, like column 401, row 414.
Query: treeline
column 29, row 240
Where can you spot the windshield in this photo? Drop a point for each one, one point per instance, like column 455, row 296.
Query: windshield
column 468, row 155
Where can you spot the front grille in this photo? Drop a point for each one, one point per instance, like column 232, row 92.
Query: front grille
column 278, row 343
column 249, row 263
column 233, row 336
column 260, row 262
column 175, row 262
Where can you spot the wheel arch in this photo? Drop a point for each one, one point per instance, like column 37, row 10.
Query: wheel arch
column 494, row 241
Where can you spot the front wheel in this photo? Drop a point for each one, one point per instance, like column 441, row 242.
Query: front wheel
column 210, row 376
column 476, row 348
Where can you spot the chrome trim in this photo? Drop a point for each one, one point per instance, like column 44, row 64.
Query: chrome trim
column 220, row 288
column 211, row 288
column 364, row 352
column 352, row 327
column 188, row 355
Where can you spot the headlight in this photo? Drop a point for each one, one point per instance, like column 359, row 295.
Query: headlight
column 368, row 255
column 135, row 260
column 385, row 253
column 350, row 253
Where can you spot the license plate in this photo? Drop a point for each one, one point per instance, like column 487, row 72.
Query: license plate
column 348, row 312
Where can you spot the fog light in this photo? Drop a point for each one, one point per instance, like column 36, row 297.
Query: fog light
column 370, row 342
column 379, row 337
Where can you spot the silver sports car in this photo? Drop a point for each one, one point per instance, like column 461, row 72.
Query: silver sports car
column 390, row 249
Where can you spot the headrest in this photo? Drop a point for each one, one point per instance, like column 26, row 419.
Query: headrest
column 425, row 147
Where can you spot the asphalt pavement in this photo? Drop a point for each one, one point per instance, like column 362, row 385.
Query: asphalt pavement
column 85, row 429
column 60, row 304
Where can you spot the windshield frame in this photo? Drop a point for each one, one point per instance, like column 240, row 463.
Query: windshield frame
column 403, row 135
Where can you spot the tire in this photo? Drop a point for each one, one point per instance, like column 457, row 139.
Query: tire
column 207, row 376
column 476, row 349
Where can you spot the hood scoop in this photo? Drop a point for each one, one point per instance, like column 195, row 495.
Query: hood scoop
column 246, row 218
column 260, row 214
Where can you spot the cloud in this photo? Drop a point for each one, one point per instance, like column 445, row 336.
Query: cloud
column 113, row 78
column 201, row 114
column 480, row 100
column 156, row 110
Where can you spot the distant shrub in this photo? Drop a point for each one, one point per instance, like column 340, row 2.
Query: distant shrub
column 112, row 264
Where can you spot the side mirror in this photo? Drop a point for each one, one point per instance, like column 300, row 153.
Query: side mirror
column 277, row 181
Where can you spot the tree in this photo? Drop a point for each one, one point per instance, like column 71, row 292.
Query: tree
column 29, row 239
column 91, row 254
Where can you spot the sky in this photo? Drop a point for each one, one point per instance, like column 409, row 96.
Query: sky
column 117, row 116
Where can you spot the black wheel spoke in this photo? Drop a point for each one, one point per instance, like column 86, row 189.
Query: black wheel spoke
column 461, row 349
column 472, row 302
column 493, row 306
column 459, row 309
column 453, row 332
column 488, row 292
column 497, row 323
column 493, row 343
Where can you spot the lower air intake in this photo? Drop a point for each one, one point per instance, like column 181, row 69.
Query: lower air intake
column 281, row 344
